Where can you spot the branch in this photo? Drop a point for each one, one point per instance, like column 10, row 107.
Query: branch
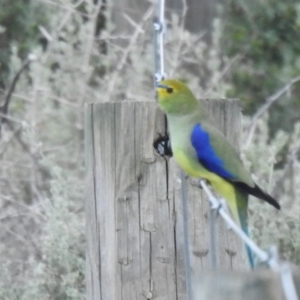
column 269, row 101
column 25, row 146
column 5, row 106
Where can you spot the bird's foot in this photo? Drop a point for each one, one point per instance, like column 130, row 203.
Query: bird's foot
column 162, row 145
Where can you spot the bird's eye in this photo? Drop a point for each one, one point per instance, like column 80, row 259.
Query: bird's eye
column 169, row 90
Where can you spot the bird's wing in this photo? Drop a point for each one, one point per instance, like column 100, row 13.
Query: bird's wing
column 216, row 154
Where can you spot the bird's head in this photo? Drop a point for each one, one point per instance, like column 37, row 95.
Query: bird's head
column 174, row 97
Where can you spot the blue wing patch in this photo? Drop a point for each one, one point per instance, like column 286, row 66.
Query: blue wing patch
column 206, row 154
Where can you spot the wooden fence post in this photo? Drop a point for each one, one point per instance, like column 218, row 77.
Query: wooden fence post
column 135, row 243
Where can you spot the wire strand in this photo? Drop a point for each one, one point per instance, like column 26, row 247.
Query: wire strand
column 159, row 31
column 270, row 257
column 159, row 74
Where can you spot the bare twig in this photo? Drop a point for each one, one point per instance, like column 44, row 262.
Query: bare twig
column 126, row 52
column 4, row 108
column 18, row 96
column 8, row 141
column 68, row 7
column 269, row 101
column 291, row 161
column 45, row 33
column 86, row 75
column 223, row 72
column 24, row 145
column 6, row 118
column 177, row 58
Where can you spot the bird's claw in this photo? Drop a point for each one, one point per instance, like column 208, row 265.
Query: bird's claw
column 162, row 145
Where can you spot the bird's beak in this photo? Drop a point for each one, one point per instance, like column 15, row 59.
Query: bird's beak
column 161, row 86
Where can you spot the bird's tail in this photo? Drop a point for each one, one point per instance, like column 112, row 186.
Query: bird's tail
column 241, row 215
column 247, row 248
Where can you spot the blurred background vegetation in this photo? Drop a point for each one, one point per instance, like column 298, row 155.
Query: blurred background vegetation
column 264, row 36
column 78, row 51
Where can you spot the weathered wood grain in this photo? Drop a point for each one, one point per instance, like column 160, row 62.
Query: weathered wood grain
column 226, row 115
column 135, row 234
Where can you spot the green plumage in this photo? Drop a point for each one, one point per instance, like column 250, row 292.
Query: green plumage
column 184, row 114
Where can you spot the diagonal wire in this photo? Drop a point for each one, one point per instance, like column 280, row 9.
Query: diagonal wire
column 216, row 204
column 271, row 257
column 287, row 282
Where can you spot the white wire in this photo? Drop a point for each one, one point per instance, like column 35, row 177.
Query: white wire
column 216, row 204
column 159, row 30
column 270, row 258
column 161, row 37
column 159, row 74
column 287, row 282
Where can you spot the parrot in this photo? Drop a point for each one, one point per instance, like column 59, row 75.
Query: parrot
column 202, row 151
